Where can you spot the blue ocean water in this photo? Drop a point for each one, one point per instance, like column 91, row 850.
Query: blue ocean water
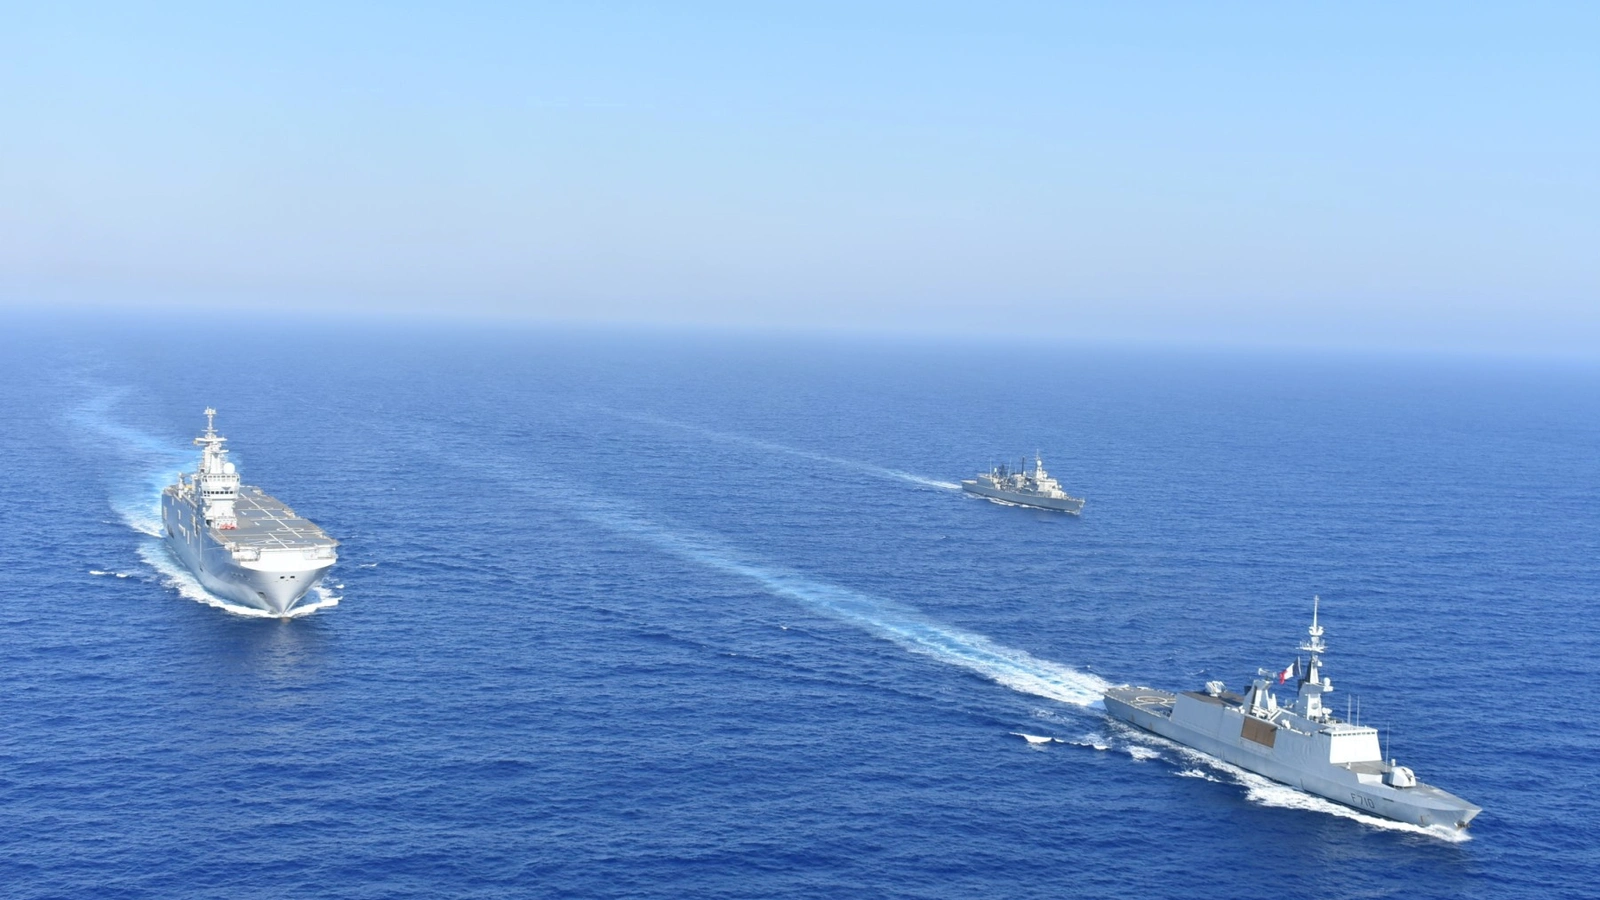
column 667, row 615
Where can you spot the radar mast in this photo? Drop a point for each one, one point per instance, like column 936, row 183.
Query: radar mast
column 1313, row 643
column 217, row 480
column 1312, row 684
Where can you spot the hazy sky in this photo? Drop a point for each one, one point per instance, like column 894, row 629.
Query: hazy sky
column 1301, row 173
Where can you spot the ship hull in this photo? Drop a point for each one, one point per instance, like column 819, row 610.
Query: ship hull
column 1291, row 759
column 274, row 583
column 1071, row 505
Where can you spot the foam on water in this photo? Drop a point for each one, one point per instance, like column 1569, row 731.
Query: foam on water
column 856, row 465
column 143, row 464
column 1008, row 666
column 326, row 599
column 898, row 623
column 1093, row 742
column 887, row 619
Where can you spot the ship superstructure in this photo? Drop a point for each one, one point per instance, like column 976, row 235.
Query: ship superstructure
column 243, row 544
column 1024, row 488
column 1303, row 745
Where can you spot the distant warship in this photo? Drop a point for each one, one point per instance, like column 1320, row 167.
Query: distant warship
column 242, row 543
column 1024, row 488
column 1303, row 746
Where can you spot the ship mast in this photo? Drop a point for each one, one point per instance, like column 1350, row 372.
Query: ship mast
column 211, row 442
column 217, row 480
column 1313, row 643
column 1312, row 684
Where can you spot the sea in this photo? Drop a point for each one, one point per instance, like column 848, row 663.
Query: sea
column 676, row 613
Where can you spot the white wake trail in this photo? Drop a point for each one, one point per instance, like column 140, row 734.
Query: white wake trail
column 856, row 465
column 151, row 464
column 904, row 626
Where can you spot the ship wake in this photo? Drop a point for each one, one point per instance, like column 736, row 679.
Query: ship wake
column 144, row 464
column 839, row 461
column 897, row 623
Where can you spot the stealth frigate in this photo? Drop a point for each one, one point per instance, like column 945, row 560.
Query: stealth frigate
column 1024, row 488
column 1303, row 745
column 243, row 544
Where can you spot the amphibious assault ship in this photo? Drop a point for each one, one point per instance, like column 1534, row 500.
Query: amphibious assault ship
column 1304, row 745
column 243, row 544
column 1024, row 488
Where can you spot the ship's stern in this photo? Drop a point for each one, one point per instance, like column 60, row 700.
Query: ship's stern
column 1147, row 708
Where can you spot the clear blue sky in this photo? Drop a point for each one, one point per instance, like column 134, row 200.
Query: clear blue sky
column 1355, row 174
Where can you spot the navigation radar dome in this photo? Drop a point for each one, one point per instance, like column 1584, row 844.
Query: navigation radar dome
column 228, row 468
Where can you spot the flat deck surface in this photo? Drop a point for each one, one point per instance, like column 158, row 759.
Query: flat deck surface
column 1145, row 698
column 267, row 524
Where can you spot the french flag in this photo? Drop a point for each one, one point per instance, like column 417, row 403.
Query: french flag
column 1292, row 671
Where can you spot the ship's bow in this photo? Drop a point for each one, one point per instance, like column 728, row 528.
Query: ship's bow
column 280, row 591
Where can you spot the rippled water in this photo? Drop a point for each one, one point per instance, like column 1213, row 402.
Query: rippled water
column 667, row 615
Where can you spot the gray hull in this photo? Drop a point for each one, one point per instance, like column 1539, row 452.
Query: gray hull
column 1292, row 757
column 1073, row 505
column 272, row 573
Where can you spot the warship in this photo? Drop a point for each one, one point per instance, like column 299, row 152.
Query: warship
column 1024, row 488
column 1303, row 745
column 243, row 544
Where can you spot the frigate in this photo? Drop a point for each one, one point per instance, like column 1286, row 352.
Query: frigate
column 243, row 544
column 1024, row 488
column 1303, row 745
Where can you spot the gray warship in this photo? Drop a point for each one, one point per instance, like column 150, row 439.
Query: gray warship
column 1024, row 488
column 1303, row 745
column 243, row 544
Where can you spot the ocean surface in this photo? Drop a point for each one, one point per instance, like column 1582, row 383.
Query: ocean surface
column 675, row 615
